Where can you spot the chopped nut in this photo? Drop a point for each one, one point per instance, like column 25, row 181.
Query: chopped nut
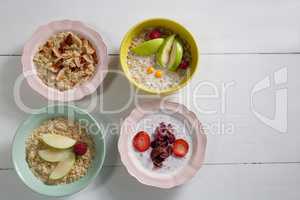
column 88, row 58
column 88, row 48
column 61, row 74
column 56, row 52
column 57, row 65
column 77, row 40
column 77, row 62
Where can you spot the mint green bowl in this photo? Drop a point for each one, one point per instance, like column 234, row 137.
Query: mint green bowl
column 24, row 131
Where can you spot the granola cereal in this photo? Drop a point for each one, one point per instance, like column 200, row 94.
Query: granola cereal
column 64, row 127
column 65, row 61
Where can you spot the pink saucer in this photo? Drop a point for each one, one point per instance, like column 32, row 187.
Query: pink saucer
column 149, row 176
column 40, row 36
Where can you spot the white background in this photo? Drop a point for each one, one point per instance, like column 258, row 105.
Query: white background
column 241, row 42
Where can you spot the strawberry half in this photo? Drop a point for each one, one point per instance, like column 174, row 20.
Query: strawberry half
column 180, row 148
column 141, row 141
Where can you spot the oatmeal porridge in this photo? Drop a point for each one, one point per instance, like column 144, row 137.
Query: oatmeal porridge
column 158, row 59
column 59, row 151
column 65, row 61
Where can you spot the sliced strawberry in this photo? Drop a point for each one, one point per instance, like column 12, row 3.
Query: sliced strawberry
column 180, row 148
column 141, row 141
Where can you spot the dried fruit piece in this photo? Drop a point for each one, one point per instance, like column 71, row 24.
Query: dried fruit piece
column 162, row 148
column 180, row 148
column 141, row 141
column 80, row 148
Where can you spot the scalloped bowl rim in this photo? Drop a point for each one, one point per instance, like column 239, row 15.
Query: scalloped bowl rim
column 41, row 35
column 184, row 174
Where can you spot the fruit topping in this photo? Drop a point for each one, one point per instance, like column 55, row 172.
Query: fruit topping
column 63, row 168
column 80, row 148
column 175, row 56
column 149, row 47
column 161, row 145
column 158, row 74
column 150, row 70
column 141, row 141
column 154, row 34
column 58, row 141
column 163, row 53
column 180, row 148
column 52, row 155
column 184, row 64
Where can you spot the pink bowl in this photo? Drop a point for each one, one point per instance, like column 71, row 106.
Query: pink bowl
column 134, row 166
column 40, row 36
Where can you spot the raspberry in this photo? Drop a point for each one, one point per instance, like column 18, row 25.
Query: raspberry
column 154, row 34
column 184, row 64
column 80, row 148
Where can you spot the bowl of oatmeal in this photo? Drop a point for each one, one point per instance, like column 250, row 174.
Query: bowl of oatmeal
column 58, row 150
column 159, row 56
column 65, row 60
column 162, row 144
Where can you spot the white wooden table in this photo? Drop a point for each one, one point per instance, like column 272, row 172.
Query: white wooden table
column 242, row 43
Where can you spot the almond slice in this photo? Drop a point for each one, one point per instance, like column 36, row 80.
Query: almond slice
column 88, row 58
column 77, row 40
column 56, row 52
column 88, row 48
column 77, row 62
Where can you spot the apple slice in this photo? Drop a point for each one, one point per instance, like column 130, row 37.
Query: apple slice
column 149, row 47
column 52, row 155
column 63, row 168
column 58, row 141
column 175, row 56
column 163, row 53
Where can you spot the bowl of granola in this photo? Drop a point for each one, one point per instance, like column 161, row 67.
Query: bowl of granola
column 65, row 60
column 159, row 56
column 162, row 144
column 58, row 150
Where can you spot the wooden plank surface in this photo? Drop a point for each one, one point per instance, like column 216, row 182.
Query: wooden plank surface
column 220, row 26
column 244, row 138
column 242, row 43
column 213, row 182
